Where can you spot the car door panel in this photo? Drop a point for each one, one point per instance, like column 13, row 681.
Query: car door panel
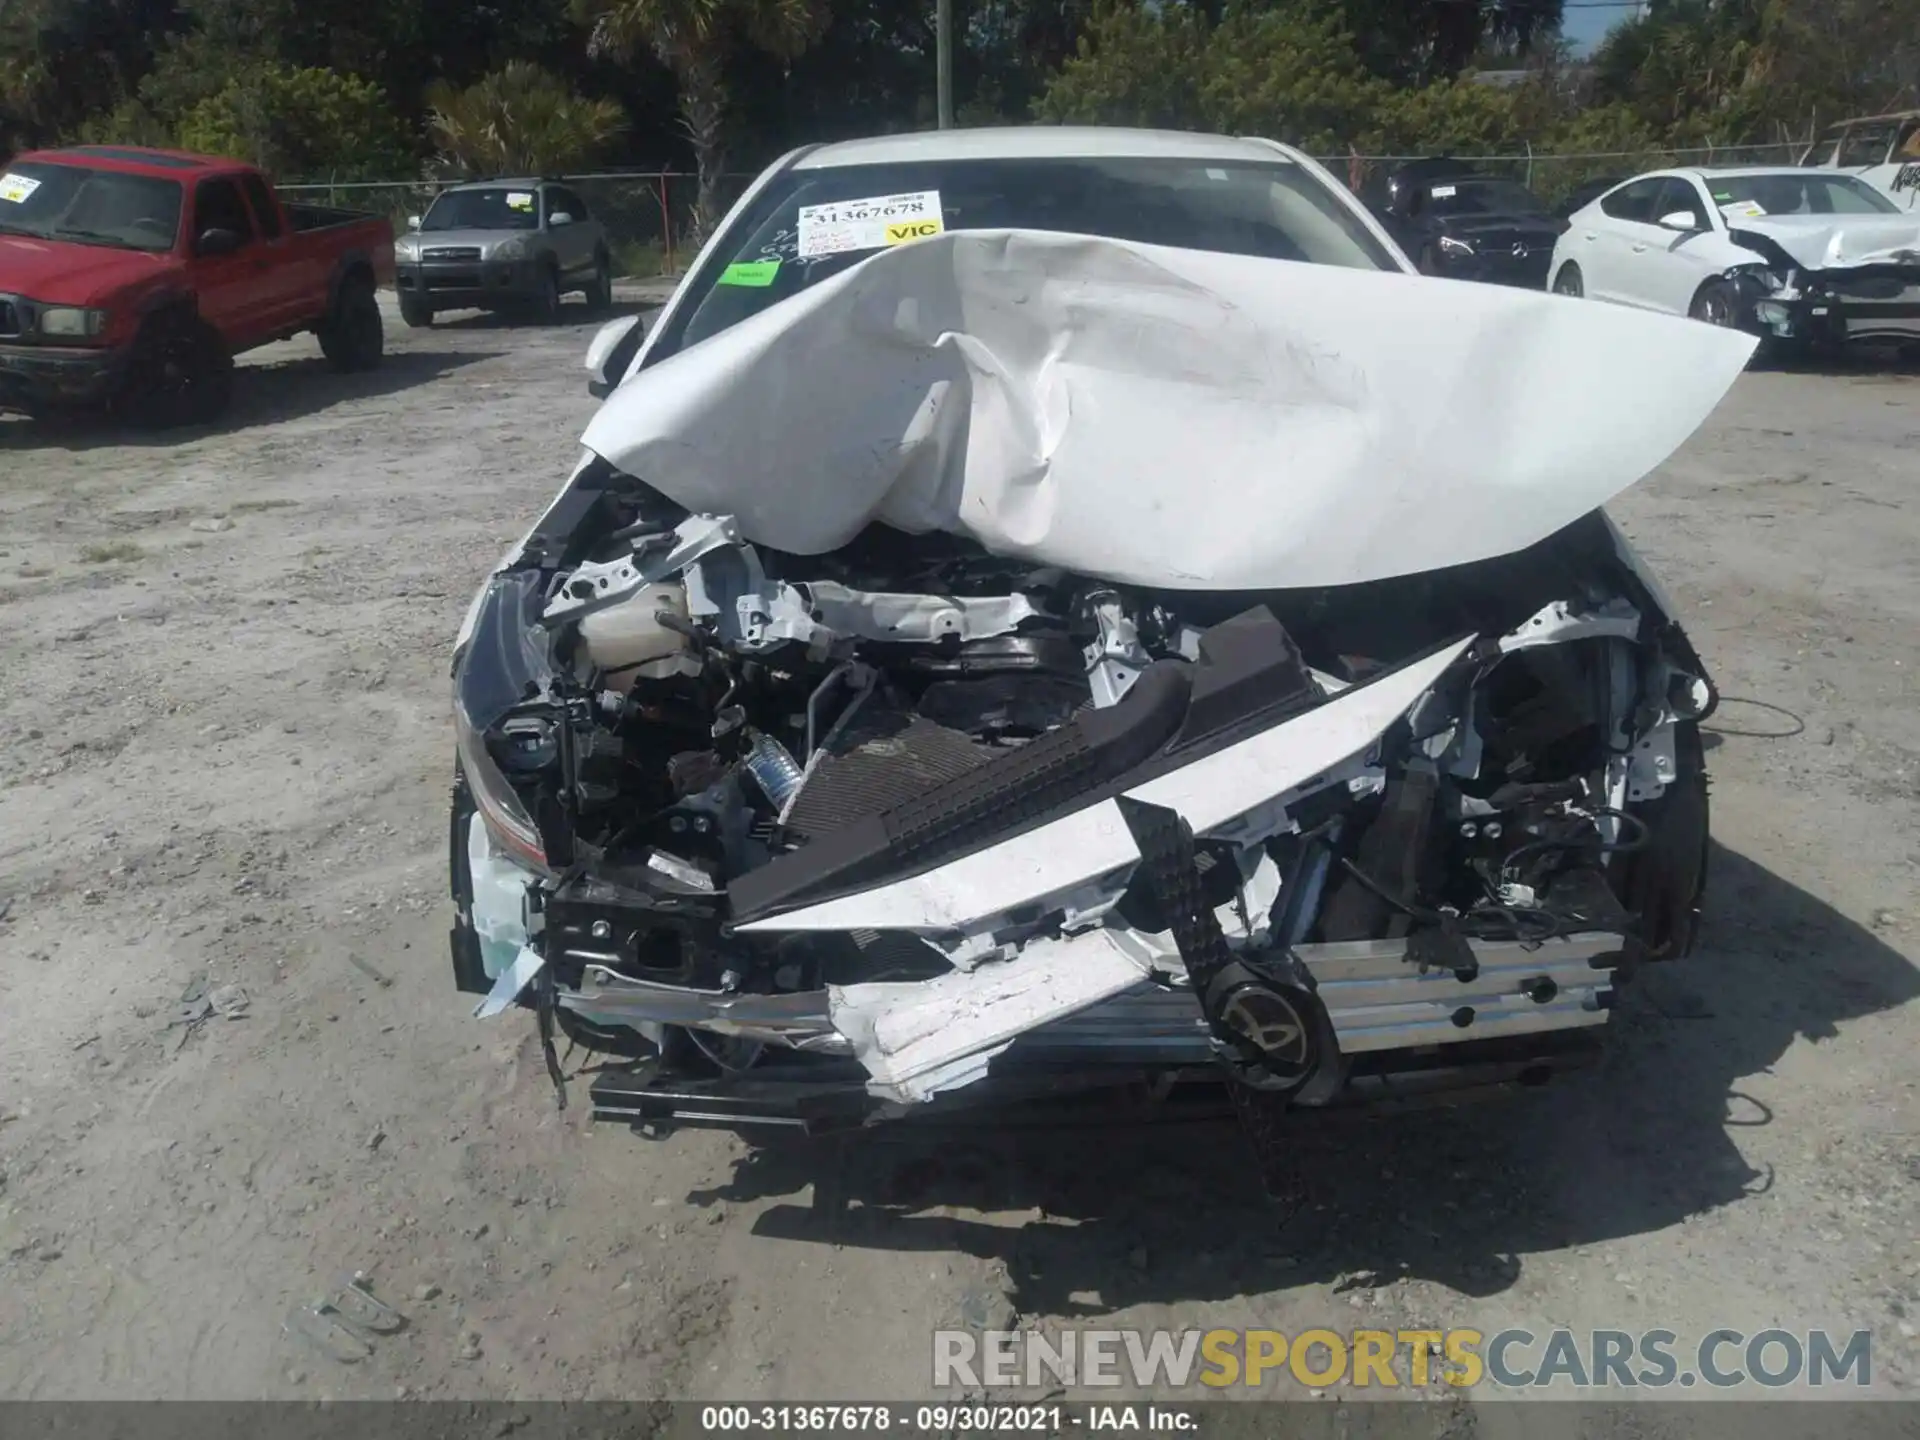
column 230, row 288
column 1609, row 231
column 287, row 278
column 1672, row 265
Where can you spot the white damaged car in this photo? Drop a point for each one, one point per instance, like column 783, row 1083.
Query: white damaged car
column 1798, row 257
column 1070, row 611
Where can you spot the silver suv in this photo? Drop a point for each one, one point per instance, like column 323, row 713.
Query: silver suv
column 502, row 245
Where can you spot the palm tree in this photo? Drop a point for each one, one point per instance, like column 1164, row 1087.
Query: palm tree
column 692, row 38
column 519, row 119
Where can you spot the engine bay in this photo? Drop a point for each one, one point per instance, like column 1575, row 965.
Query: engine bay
column 916, row 806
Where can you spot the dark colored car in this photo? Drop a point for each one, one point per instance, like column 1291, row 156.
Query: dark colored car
column 1459, row 223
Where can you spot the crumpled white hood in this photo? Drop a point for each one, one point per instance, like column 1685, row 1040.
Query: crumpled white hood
column 1825, row 242
column 1167, row 417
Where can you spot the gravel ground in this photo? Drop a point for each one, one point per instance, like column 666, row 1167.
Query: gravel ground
column 225, row 755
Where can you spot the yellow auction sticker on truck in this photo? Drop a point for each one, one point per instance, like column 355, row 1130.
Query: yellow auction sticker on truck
column 519, row 200
column 14, row 189
column 872, row 223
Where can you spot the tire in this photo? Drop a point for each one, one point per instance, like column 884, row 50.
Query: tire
column 414, row 315
column 1570, row 281
column 1714, row 304
column 600, row 288
column 180, row 373
column 545, row 306
column 353, row 337
column 1664, row 880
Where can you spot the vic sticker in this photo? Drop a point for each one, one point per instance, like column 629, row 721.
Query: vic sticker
column 14, row 189
column 870, row 224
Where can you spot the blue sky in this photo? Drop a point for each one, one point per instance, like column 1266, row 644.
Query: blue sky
column 1584, row 27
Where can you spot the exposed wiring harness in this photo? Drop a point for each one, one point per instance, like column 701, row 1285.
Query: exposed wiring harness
column 1489, row 920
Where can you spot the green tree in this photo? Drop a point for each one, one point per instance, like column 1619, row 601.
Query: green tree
column 519, row 119
column 302, row 124
column 1135, row 66
column 695, row 39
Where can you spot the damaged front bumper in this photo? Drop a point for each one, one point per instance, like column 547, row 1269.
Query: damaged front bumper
column 1831, row 308
column 1086, row 1000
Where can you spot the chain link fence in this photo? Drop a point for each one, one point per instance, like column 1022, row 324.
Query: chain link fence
column 1553, row 176
column 649, row 214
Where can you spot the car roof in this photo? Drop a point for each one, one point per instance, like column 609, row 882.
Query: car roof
column 526, row 182
column 1734, row 172
column 1042, row 142
column 134, row 159
column 1840, row 125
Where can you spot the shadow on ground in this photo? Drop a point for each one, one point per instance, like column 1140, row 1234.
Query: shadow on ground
column 1158, row 1215
column 262, row 394
column 573, row 316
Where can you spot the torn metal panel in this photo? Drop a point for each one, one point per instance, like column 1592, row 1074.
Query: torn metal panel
column 1044, row 394
column 799, row 1020
column 1237, row 793
column 917, row 1040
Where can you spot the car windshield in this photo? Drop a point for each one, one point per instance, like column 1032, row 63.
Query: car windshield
column 89, row 207
column 1483, row 197
column 1235, row 207
column 1798, row 192
column 504, row 208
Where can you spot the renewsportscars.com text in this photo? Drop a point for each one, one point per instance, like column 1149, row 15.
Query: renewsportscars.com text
column 1514, row 1358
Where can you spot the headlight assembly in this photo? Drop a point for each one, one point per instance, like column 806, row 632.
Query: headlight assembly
column 504, row 662
column 505, row 816
column 69, row 322
column 512, row 249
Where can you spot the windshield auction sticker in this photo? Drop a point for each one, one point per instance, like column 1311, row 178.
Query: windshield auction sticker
column 14, row 189
column 520, row 200
column 870, row 224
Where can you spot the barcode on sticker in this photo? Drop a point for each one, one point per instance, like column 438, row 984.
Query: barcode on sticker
column 868, row 224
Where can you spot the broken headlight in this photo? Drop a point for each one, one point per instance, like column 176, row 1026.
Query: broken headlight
column 503, row 666
column 506, row 818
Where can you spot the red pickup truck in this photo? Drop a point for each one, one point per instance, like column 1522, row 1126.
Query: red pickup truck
column 132, row 277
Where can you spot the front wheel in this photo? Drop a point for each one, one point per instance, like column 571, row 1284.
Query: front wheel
column 180, row 373
column 600, row 291
column 414, row 314
column 353, row 336
column 1569, row 281
column 1715, row 305
column 545, row 308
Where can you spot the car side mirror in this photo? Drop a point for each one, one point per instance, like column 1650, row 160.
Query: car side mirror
column 560, row 217
column 611, row 351
column 413, row 222
column 1681, row 220
column 216, row 241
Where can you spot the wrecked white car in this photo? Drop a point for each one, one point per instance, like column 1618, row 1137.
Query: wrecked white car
column 1070, row 611
column 1798, row 257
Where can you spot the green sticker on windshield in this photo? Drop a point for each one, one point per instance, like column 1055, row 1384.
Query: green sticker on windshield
column 755, row 274
column 1721, row 197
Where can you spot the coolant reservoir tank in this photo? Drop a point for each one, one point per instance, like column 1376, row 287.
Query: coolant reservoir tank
column 627, row 640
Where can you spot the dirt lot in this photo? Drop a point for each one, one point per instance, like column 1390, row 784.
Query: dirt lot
column 225, row 755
